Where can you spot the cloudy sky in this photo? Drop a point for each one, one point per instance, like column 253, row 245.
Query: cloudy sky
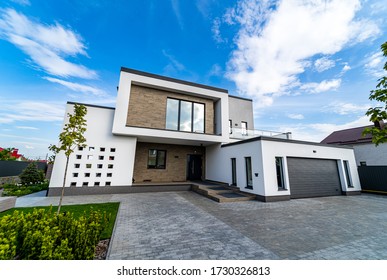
column 309, row 65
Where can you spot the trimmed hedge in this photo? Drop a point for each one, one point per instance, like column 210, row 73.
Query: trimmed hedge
column 45, row 235
column 20, row 190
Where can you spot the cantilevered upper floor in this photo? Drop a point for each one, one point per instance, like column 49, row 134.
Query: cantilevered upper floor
column 166, row 110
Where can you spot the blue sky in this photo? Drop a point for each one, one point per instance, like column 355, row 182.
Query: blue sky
column 309, row 65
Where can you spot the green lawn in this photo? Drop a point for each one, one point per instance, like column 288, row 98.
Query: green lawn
column 77, row 210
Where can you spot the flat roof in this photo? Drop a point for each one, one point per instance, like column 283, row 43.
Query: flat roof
column 238, row 97
column 169, row 79
column 91, row 105
column 266, row 138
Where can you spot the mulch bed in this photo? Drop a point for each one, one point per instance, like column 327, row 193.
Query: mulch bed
column 101, row 249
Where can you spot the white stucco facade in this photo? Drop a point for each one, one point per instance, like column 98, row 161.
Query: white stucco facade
column 168, row 136
column 263, row 153
column 107, row 158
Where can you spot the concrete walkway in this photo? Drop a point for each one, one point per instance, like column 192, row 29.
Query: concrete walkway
column 185, row 225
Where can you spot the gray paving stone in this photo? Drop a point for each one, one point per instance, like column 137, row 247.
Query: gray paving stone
column 185, row 225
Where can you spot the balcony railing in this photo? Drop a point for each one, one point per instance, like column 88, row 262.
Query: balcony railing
column 242, row 134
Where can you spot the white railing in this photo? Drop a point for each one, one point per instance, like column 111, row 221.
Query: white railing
column 242, row 134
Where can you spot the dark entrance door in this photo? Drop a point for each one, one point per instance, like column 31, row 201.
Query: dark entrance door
column 194, row 167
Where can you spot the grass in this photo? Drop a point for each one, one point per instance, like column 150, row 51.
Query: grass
column 77, row 210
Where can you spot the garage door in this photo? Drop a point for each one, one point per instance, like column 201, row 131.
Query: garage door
column 313, row 177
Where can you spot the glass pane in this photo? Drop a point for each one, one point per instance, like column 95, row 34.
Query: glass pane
column 185, row 116
column 244, row 128
column 198, row 118
column 249, row 175
column 161, row 159
column 279, row 170
column 152, row 158
column 172, row 114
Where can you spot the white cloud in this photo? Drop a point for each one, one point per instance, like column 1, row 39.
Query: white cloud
column 12, row 111
column 343, row 108
column 274, row 44
column 346, row 68
column 325, row 85
column 176, row 10
column 29, row 147
column 46, row 45
column 216, row 31
column 174, row 66
column 316, row 132
column 296, row 116
column 27, row 127
column 323, row 64
column 216, row 70
column 374, row 65
column 22, row 2
column 77, row 87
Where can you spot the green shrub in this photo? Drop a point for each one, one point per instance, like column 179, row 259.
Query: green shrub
column 45, row 235
column 15, row 190
column 31, row 175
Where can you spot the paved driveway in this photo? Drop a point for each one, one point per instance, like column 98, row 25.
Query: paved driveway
column 185, row 225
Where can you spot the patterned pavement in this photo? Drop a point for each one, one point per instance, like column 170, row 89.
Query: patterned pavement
column 185, row 225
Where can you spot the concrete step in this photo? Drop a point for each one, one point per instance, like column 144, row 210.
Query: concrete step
column 7, row 202
column 222, row 193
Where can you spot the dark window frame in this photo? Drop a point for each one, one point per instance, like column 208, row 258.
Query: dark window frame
column 192, row 115
column 157, row 165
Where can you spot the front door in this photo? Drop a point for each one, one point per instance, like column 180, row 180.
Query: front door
column 194, row 167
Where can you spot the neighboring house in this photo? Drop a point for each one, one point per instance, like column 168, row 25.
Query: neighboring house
column 164, row 133
column 14, row 154
column 370, row 159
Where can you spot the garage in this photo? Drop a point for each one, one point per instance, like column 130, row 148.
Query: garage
column 313, row 177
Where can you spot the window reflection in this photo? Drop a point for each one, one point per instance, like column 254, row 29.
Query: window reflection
column 184, row 116
column 172, row 114
column 198, row 121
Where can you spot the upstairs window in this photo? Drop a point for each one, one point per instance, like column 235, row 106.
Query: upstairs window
column 244, row 128
column 185, row 116
column 156, row 159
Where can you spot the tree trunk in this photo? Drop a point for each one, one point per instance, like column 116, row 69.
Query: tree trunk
column 64, row 183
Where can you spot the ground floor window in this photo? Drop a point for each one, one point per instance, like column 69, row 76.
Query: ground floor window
column 233, row 171
column 279, row 167
column 249, row 173
column 156, row 159
column 347, row 174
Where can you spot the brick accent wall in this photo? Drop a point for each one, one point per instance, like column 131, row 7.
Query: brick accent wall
column 147, row 107
column 176, row 162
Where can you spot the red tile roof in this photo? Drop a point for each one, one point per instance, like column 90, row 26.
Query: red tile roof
column 348, row 136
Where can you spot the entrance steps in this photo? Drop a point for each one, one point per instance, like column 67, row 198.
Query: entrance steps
column 221, row 192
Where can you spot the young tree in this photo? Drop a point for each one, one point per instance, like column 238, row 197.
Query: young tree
column 70, row 138
column 379, row 113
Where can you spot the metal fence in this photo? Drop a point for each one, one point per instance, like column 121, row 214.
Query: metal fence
column 373, row 178
column 14, row 168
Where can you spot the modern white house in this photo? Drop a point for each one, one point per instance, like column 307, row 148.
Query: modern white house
column 165, row 133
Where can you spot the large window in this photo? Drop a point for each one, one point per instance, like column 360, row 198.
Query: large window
column 156, row 159
column 185, row 116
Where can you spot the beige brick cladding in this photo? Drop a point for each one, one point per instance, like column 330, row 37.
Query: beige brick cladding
column 147, row 107
column 176, row 162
